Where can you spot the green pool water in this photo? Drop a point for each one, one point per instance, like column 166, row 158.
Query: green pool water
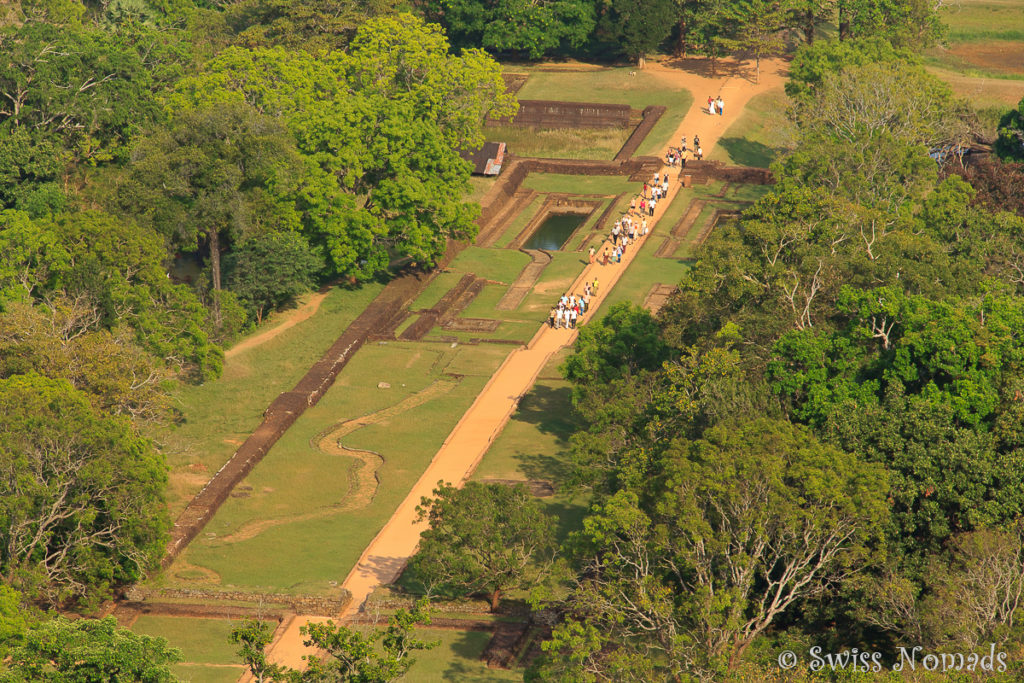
column 554, row 231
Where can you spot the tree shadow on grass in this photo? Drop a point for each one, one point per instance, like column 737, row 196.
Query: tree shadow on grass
column 568, row 518
column 468, row 666
column 749, row 153
column 550, row 410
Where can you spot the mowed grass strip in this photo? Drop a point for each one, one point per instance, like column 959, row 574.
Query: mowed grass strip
column 456, row 658
column 616, row 86
column 535, row 445
column 574, row 184
column 981, row 20
column 201, row 641
column 758, row 135
column 217, row 416
column 287, row 534
column 560, row 143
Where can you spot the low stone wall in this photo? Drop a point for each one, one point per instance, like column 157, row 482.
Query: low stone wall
column 555, row 114
column 702, row 171
column 299, row 604
column 651, row 116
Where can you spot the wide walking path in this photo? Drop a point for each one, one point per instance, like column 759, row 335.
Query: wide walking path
column 385, row 557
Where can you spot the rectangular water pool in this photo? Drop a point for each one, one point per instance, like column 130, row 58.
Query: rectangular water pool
column 554, row 231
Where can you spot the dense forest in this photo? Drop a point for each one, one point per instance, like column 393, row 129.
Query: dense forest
column 817, row 442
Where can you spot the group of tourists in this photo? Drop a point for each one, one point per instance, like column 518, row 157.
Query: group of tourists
column 715, row 105
column 570, row 308
column 677, row 156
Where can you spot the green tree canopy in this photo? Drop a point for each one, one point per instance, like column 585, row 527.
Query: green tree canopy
column 381, row 656
column 59, row 650
column 72, row 97
column 215, row 174
column 531, row 28
column 483, row 538
column 114, row 269
column 623, row 342
column 378, row 127
column 689, row 568
column 270, row 269
column 637, row 27
column 81, row 510
column 1010, row 144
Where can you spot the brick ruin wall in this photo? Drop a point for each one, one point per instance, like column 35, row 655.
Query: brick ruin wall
column 554, row 114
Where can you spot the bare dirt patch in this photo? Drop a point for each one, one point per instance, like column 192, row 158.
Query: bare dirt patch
column 996, row 56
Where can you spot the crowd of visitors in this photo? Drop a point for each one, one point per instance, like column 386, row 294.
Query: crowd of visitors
column 627, row 230
column 677, row 156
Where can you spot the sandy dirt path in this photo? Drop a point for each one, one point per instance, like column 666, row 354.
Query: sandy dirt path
column 384, row 558
column 284, row 321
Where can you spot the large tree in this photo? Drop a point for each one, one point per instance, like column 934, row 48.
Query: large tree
column 59, row 650
column 68, row 96
column 114, row 268
column 724, row 536
column 483, row 538
column 379, row 128
column 381, row 656
column 638, row 27
column 530, row 28
column 270, row 269
column 81, row 495
column 215, row 174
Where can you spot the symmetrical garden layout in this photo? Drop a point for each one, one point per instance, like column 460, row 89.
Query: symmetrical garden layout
column 408, row 361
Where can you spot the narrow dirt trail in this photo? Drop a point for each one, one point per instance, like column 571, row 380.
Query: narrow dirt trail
column 287, row 320
column 385, row 557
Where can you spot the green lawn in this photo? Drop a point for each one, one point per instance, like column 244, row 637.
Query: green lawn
column 209, row 654
column 758, row 135
column 516, row 225
column 285, row 534
column 982, row 54
column 983, row 20
column 456, row 658
column 219, row 415
column 435, row 290
column 502, row 265
column 560, row 143
column 573, row 184
column 616, row 86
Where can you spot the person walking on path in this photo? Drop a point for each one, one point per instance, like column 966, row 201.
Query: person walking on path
column 604, row 257
column 700, row 154
column 711, row 105
column 595, row 286
column 592, row 252
column 558, row 318
column 551, row 318
column 720, row 105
